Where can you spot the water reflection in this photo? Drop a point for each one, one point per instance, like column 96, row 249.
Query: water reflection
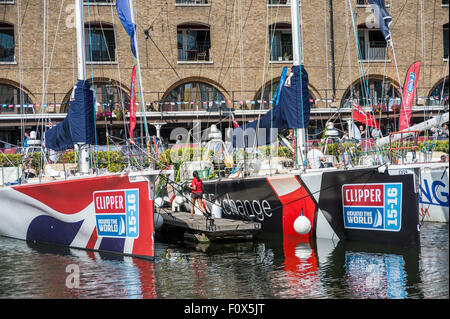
column 270, row 267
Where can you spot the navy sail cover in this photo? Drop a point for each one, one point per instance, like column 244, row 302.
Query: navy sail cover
column 78, row 126
column 292, row 111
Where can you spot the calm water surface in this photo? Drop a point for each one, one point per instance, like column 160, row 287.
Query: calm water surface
column 264, row 268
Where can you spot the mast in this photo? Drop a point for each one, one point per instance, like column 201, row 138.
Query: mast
column 141, row 90
column 333, row 71
column 83, row 148
column 300, row 145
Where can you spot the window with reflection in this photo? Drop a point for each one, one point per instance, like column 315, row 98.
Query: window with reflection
column 439, row 94
column 445, row 40
column 280, row 40
column 372, row 44
column 11, row 96
column 270, row 92
column 193, row 42
column 6, row 42
column 192, row 96
column 108, row 96
column 100, row 42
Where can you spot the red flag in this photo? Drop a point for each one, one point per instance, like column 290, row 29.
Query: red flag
column 235, row 123
column 409, row 90
column 358, row 114
column 133, row 103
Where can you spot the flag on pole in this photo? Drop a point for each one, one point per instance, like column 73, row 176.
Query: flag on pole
column 235, row 123
column 409, row 90
column 358, row 114
column 124, row 12
column 133, row 103
column 382, row 17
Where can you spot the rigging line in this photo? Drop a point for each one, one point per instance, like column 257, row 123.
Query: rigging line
column 227, row 40
column 201, row 65
column 245, row 23
column 432, row 41
column 164, row 56
column 21, row 100
column 168, row 28
column 326, row 49
column 363, row 77
column 119, row 89
column 255, row 143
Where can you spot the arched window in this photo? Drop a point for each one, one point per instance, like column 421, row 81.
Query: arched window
column 375, row 93
column 192, row 96
column 270, row 91
column 108, row 96
column 100, row 42
column 280, row 39
column 6, row 42
column 439, row 94
column 10, row 97
column 193, row 42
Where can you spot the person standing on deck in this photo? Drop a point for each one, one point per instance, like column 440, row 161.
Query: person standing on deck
column 197, row 194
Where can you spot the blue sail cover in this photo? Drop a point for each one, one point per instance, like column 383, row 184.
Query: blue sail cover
column 124, row 12
column 292, row 111
column 78, row 126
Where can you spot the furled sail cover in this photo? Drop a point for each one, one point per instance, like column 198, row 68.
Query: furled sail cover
column 78, row 126
column 292, row 111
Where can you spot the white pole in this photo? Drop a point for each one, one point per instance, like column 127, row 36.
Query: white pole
column 81, row 57
column 435, row 121
column 300, row 144
column 83, row 149
column 138, row 68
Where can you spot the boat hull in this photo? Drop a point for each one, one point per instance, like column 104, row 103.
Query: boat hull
column 434, row 195
column 110, row 213
column 352, row 205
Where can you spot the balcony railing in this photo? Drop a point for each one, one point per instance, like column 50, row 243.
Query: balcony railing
column 198, row 53
column 191, row 2
column 279, row 2
column 375, row 52
column 281, row 53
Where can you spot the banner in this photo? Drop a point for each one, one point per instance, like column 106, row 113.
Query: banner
column 409, row 90
column 133, row 103
column 358, row 114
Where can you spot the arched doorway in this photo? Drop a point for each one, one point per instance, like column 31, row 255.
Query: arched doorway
column 192, row 95
column 11, row 97
column 377, row 92
column 109, row 95
column 439, row 93
column 270, row 91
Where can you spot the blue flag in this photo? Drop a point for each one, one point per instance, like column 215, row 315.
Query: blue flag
column 382, row 17
column 124, row 13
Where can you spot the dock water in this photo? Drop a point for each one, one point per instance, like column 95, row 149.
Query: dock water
column 203, row 229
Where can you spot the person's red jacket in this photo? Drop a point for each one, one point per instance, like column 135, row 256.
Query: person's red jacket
column 196, row 185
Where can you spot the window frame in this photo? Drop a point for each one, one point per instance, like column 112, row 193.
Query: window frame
column 101, row 27
column 9, row 26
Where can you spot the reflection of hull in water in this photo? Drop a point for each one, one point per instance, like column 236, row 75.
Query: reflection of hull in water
column 373, row 271
column 327, row 269
column 110, row 213
column 277, row 201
